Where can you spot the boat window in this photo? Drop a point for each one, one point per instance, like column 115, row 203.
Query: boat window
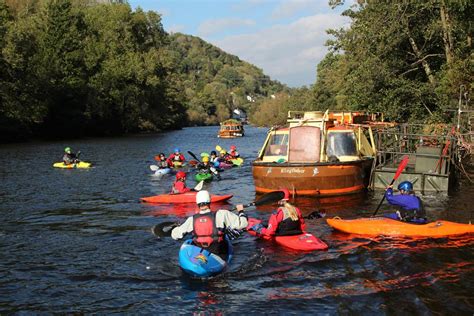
column 277, row 145
column 341, row 144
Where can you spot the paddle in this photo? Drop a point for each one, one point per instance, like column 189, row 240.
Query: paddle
column 198, row 186
column 164, row 229
column 400, row 168
column 193, row 155
column 218, row 148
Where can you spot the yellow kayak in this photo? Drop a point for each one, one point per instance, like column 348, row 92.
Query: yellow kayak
column 80, row 164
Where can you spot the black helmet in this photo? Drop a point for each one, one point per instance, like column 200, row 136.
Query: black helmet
column 213, row 153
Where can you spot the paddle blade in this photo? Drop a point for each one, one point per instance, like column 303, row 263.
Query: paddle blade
column 163, row 229
column 270, row 197
column 198, row 186
column 154, row 167
column 218, row 148
column 193, row 155
column 401, row 167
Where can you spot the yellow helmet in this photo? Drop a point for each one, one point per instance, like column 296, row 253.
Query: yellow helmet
column 205, row 159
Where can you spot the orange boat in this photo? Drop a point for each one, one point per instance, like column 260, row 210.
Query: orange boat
column 390, row 227
column 230, row 129
column 318, row 154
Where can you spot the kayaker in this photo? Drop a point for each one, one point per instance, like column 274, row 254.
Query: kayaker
column 233, row 152
column 162, row 161
column 224, row 156
column 209, row 228
column 213, row 157
column 69, row 157
column 286, row 221
column 176, row 156
column 411, row 207
column 179, row 186
column 205, row 167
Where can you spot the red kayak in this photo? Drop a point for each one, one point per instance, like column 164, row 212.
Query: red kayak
column 302, row 242
column 188, row 197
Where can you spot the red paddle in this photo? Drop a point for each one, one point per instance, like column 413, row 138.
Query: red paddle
column 400, row 168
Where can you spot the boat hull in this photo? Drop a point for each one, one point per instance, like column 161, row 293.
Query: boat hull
column 391, row 227
column 313, row 178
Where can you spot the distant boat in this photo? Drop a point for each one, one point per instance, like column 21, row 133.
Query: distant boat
column 317, row 154
column 230, row 129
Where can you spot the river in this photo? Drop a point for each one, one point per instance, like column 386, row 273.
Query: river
column 79, row 241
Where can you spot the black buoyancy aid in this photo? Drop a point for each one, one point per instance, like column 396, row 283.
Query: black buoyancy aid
column 205, row 230
column 287, row 226
column 411, row 215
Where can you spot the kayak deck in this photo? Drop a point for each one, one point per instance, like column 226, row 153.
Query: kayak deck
column 80, row 165
column 188, row 197
column 391, row 227
column 201, row 263
column 302, row 242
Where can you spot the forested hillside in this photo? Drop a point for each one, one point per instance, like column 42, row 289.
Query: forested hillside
column 77, row 67
column 408, row 59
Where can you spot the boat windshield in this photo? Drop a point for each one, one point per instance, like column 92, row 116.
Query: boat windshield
column 341, row 144
column 277, row 145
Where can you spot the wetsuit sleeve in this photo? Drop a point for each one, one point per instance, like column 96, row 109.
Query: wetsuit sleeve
column 225, row 218
column 183, row 229
column 182, row 158
column 405, row 201
column 273, row 222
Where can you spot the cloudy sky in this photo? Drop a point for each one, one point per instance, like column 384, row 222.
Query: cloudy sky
column 285, row 38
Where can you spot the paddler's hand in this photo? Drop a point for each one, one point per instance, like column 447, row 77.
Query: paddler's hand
column 240, row 208
column 389, row 187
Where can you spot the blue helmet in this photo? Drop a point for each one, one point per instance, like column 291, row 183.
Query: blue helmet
column 405, row 186
column 176, row 150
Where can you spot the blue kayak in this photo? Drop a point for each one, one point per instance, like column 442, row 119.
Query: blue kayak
column 201, row 263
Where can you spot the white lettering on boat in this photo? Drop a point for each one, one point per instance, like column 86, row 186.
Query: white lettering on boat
column 269, row 170
column 292, row 170
column 315, row 171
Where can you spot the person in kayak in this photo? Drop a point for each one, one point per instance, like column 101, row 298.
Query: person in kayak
column 233, row 152
column 210, row 228
column 286, row 221
column 411, row 207
column 213, row 158
column 179, row 186
column 162, row 161
column 205, row 167
column 224, row 157
column 176, row 156
column 69, row 157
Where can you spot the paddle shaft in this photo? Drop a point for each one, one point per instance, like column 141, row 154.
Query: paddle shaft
column 193, row 155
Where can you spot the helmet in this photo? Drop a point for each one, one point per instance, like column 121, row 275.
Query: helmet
column 233, row 147
column 176, row 150
column 287, row 194
column 223, row 152
column 162, row 155
column 205, row 159
column 204, row 154
column 203, row 197
column 213, row 153
column 405, row 186
column 180, row 175
column 67, row 150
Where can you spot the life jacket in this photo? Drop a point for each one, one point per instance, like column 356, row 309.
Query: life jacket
column 205, row 230
column 417, row 215
column 163, row 164
column 287, row 226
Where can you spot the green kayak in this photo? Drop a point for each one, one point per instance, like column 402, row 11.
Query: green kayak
column 203, row 177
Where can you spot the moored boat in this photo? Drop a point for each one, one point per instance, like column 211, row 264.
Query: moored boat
column 230, row 129
column 390, row 227
column 317, row 154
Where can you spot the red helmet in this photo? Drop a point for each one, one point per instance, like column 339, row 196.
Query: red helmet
column 286, row 192
column 233, row 147
column 180, row 175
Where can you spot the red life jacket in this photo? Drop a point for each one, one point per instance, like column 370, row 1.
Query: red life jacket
column 205, row 230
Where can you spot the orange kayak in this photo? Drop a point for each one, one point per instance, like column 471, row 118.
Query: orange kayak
column 188, row 197
column 390, row 227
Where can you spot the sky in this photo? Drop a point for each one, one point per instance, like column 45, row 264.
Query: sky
column 285, row 38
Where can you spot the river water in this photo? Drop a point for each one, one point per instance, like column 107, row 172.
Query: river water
column 80, row 241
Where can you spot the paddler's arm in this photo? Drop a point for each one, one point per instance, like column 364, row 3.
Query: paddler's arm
column 185, row 228
column 225, row 218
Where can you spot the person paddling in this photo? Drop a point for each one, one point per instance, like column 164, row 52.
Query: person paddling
column 162, row 162
column 286, row 221
column 69, row 157
column 179, row 186
column 233, row 152
column 213, row 158
column 209, row 228
column 224, row 157
column 411, row 207
column 176, row 158
column 205, row 167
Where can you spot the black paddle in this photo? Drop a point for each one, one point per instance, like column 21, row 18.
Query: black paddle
column 193, row 155
column 164, row 229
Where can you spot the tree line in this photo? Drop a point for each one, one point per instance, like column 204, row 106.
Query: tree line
column 81, row 67
column 408, row 59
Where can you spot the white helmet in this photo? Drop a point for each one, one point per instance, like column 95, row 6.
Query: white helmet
column 203, row 197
